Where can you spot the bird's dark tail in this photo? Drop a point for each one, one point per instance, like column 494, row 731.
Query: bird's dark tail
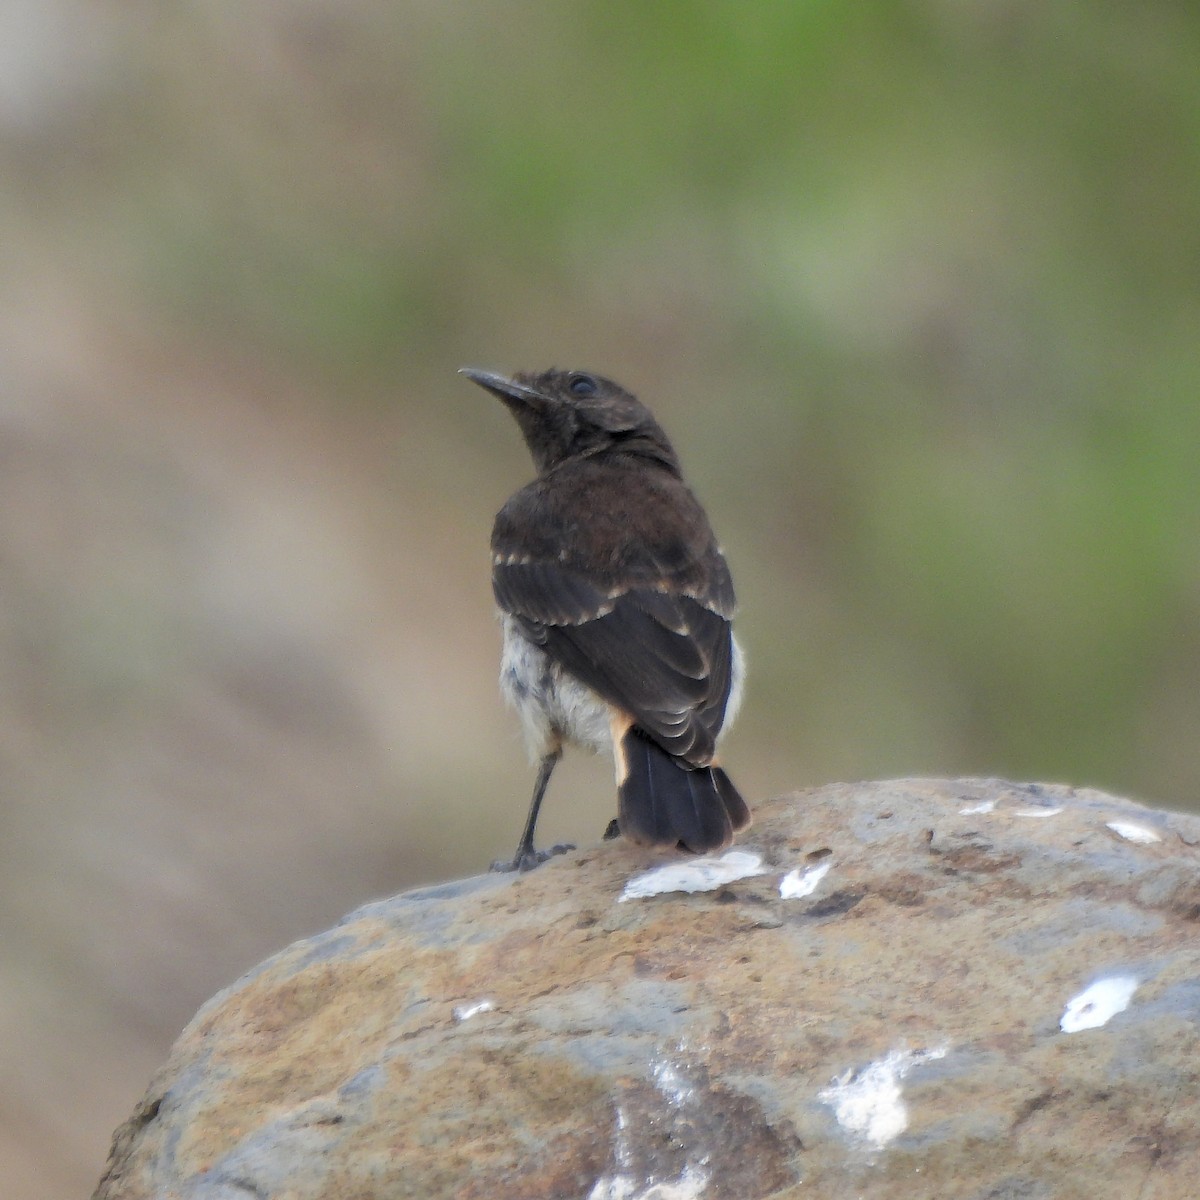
column 661, row 801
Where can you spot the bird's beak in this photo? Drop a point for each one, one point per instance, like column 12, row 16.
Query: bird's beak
column 509, row 390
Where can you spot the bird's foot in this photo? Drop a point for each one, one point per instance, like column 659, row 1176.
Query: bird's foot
column 612, row 830
column 527, row 858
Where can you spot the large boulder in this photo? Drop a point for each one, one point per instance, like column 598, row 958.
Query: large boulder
column 908, row 989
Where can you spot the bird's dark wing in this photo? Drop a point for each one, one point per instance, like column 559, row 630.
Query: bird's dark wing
column 662, row 654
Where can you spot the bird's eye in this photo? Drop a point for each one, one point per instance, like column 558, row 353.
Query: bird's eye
column 582, row 385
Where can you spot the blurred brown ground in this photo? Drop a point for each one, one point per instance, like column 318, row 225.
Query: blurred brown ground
column 914, row 292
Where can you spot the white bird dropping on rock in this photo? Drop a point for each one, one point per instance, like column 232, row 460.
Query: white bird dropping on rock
column 869, row 1103
column 695, row 875
column 797, row 884
column 1098, row 1004
column 1133, row 833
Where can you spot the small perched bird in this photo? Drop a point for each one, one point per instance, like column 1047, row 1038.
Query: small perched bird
column 616, row 603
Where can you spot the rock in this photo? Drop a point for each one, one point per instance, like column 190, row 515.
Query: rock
column 967, row 989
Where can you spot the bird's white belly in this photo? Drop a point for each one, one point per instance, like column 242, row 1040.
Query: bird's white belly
column 737, row 683
column 554, row 707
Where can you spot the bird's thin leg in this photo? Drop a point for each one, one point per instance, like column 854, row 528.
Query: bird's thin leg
column 526, row 857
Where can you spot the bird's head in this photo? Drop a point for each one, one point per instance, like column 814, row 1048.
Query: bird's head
column 574, row 414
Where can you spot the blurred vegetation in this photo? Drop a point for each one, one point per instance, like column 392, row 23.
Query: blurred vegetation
column 920, row 279
column 915, row 287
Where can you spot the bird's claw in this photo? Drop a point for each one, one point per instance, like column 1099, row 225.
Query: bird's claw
column 526, row 860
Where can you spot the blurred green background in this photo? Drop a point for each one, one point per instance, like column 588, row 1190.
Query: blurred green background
column 915, row 288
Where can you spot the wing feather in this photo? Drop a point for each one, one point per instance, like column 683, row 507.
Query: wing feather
column 643, row 620
column 665, row 660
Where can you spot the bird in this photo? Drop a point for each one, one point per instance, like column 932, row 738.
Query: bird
column 616, row 603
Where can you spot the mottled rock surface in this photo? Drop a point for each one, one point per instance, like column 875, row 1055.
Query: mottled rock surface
column 929, row 989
